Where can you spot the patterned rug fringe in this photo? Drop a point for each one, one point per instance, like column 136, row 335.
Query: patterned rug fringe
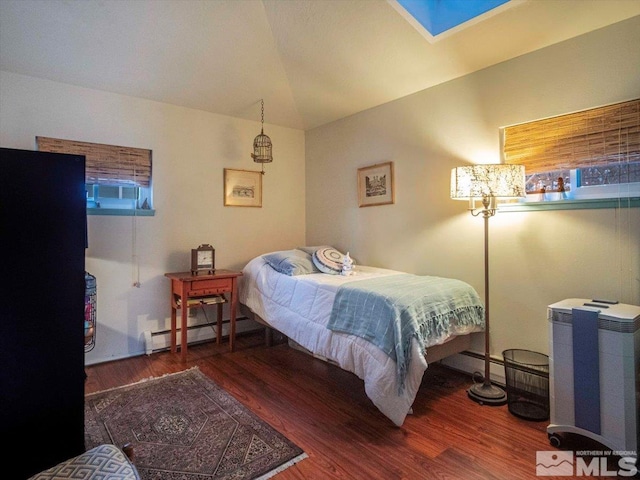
column 283, row 467
column 144, row 380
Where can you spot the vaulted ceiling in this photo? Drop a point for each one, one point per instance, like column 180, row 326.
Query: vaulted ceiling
column 312, row 61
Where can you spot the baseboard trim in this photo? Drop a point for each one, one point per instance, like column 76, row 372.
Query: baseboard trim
column 160, row 340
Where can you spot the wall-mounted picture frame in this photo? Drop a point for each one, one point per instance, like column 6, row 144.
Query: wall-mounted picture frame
column 375, row 185
column 242, row 188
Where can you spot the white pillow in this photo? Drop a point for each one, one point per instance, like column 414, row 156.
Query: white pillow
column 328, row 260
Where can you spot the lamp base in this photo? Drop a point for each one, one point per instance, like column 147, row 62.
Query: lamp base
column 487, row 394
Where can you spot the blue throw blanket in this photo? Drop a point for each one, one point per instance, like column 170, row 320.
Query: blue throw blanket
column 390, row 311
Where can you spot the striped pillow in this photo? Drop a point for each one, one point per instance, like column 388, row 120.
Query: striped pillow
column 328, row 260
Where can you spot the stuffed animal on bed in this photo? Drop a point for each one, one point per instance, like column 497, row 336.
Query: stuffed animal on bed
column 347, row 265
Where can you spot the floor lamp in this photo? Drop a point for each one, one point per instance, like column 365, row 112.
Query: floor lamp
column 487, row 183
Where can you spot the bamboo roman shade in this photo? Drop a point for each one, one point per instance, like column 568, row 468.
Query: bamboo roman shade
column 597, row 136
column 105, row 164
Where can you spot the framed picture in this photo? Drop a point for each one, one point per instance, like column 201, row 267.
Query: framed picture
column 375, row 185
column 242, row 188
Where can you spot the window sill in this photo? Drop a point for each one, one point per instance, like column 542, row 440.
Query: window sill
column 123, row 212
column 592, row 204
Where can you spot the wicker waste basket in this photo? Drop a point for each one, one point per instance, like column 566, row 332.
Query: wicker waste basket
column 527, row 376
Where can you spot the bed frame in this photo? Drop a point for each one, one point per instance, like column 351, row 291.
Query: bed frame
column 435, row 353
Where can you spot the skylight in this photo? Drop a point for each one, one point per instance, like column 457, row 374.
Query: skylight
column 438, row 17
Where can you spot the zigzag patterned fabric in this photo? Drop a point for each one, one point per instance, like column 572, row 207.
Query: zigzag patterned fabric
column 102, row 462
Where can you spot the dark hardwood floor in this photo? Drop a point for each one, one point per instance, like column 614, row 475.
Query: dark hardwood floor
column 325, row 411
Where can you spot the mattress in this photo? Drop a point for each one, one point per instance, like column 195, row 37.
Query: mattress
column 300, row 307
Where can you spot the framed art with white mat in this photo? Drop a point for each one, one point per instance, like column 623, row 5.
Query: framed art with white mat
column 375, row 185
column 242, row 188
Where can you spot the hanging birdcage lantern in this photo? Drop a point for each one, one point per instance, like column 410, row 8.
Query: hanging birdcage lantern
column 262, row 146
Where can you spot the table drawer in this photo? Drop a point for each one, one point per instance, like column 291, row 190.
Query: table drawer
column 210, row 287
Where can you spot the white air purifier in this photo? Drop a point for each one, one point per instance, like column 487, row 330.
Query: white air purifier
column 594, row 368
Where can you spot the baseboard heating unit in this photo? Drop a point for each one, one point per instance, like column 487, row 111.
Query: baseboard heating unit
column 160, row 340
column 594, row 368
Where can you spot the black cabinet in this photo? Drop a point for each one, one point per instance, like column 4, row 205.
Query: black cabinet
column 43, row 230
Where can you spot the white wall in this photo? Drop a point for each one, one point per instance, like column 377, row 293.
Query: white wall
column 536, row 258
column 190, row 150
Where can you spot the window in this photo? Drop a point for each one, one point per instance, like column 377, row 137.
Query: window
column 117, row 179
column 591, row 154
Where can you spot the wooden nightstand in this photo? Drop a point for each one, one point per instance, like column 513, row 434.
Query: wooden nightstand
column 185, row 286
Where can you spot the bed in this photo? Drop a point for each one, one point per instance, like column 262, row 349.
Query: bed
column 303, row 294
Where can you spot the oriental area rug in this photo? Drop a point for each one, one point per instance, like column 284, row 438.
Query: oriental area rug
column 184, row 426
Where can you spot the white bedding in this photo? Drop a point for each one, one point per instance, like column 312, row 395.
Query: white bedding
column 300, row 307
